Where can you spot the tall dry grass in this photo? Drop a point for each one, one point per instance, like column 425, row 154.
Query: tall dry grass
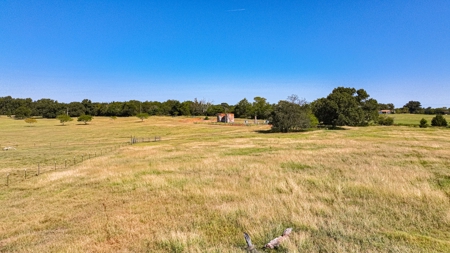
column 375, row 189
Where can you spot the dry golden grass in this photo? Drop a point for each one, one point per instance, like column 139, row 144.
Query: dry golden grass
column 374, row 189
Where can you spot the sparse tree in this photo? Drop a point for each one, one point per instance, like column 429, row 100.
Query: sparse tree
column 30, row 121
column 85, row 118
column 142, row 116
column 63, row 118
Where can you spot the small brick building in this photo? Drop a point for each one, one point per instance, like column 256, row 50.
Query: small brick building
column 225, row 117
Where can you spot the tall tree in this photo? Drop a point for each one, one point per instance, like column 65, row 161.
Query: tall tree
column 346, row 106
column 261, row 108
column 413, row 106
column 243, row 109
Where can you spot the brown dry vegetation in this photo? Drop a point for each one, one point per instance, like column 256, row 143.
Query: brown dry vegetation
column 373, row 189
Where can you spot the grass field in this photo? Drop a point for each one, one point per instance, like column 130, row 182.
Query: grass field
column 369, row 189
column 414, row 119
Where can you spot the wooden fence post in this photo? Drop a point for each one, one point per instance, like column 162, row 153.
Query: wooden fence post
column 25, row 174
column 65, row 163
column 39, row 169
column 55, row 165
column 7, row 179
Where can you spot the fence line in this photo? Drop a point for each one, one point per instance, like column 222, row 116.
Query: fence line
column 135, row 139
column 23, row 174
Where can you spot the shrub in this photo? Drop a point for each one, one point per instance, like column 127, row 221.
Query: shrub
column 206, row 118
column 385, row 121
column 439, row 120
column 423, row 123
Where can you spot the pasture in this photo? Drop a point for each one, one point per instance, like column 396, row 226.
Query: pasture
column 368, row 189
column 413, row 119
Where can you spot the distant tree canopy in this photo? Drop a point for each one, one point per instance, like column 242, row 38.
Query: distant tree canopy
column 346, row 106
column 340, row 106
column 389, row 106
column 22, row 112
column 413, row 106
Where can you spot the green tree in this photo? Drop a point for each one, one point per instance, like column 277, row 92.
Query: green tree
column 261, row 108
column 142, row 116
column 22, row 112
column 413, row 106
column 439, row 120
column 89, row 107
column 75, row 109
column 63, row 118
column 423, row 123
column 243, row 109
column 287, row 116
column 85, row 118
column 30, row 121
column 346, row 106
column 185, row 108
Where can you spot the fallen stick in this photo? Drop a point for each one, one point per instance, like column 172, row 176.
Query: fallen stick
column 277, row 241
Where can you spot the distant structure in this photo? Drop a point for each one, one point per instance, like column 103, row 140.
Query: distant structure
column 384, row 111
column 225, row 117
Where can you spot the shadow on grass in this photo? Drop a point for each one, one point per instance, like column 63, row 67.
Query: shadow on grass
column 270, row 131
column 336, row 128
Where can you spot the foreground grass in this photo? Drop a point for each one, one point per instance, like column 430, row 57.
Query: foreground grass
column 374, row 189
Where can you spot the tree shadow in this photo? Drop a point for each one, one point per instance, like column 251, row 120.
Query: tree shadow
column 336, row 128
column 270, row 131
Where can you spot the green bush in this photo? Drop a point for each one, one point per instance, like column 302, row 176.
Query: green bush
column 439, row 120
column 423, row 123
column 385, row 121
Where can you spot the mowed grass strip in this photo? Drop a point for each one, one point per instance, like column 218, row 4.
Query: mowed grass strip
column 372, row 189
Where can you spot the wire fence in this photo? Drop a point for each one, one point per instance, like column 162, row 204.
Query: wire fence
column 50, row 165
column 135, row 139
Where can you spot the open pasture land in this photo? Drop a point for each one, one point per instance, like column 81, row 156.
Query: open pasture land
column 370, row 189
column 413, row 119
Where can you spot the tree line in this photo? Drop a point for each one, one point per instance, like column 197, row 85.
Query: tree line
column 49, row 108
column 343, row 106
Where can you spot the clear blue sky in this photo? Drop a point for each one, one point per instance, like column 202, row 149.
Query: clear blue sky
column 225, row 51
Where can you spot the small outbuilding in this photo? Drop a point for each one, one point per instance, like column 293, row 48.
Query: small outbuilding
column 385, row 112
column 225, row 117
